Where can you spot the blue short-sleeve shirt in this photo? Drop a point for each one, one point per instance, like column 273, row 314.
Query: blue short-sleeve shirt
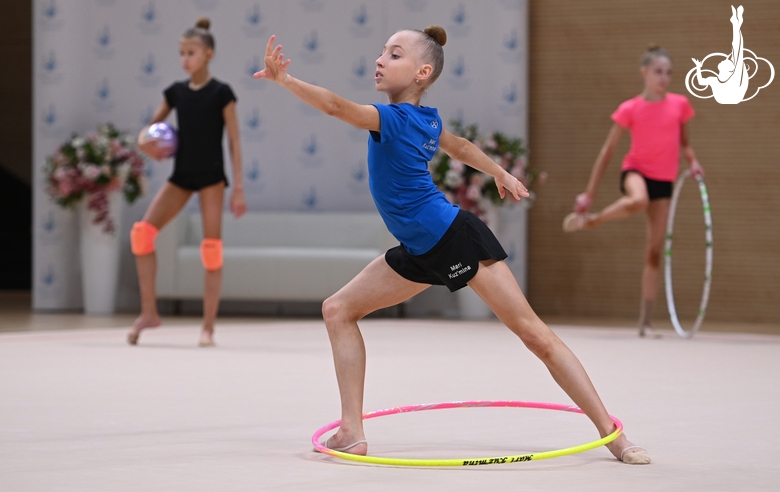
column 414, row 210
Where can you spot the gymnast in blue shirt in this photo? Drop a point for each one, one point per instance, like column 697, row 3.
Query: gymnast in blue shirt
column 440, row 244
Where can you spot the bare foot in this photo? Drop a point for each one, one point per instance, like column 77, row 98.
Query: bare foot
column 627, row 452
column 352, row 445
column 142, row 322
column 206, row 338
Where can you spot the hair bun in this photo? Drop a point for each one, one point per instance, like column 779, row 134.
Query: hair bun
column 653, row 47
column 437, row 33
column 203, row 23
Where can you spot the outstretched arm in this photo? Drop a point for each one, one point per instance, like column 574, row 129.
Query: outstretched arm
column 584, row 200
column 701, row 80
column 461, row 149
column 359, row 115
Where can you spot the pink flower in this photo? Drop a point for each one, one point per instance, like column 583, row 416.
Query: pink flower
column 474, row 192
column 457, row 166
column 92, row 172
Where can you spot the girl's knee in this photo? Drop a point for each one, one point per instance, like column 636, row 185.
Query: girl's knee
column 537, row 337
column 653, row 256
column 638, row 204
column 334, row 310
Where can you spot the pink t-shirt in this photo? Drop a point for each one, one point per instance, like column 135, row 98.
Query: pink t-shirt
column 655, row 134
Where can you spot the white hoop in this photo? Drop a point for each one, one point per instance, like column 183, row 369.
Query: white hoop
column 705, row 200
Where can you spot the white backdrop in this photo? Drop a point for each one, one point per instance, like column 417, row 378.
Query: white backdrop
column 97, row 61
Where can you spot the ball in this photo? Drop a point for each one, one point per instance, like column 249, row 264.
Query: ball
column 163, row 136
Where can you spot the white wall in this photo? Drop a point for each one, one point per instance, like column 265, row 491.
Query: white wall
column 109, row 60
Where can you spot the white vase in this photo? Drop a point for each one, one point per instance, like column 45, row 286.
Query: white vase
column 100, row 257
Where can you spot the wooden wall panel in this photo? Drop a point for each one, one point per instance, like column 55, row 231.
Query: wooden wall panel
column 584, row 62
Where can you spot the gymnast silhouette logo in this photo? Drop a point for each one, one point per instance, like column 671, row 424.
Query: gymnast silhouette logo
column 735, row 70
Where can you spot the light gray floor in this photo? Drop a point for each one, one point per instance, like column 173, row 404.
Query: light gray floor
column 81, row 410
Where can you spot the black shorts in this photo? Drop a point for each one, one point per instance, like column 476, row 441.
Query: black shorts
column 197, row 180
column 454, row 260
column 655, row 189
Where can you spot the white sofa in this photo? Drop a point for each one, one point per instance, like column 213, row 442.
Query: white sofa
column 272, row 256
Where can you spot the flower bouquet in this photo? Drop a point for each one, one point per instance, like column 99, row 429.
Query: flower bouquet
column 473, row 190
column 92, row 166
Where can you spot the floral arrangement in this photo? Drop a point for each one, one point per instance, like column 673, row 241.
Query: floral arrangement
column 91, row 166
column 473, row 190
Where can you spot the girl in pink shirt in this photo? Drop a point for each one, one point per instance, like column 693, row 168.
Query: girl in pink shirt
column 657, row 122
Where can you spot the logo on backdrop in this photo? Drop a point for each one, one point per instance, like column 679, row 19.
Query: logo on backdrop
column 416, row 5
column 358, row 178
column 50, row 73
column 103, row 47
column 148, row 76
column 310, row 199
column 460, row 26
column 248, row 80
column 508, row 105
column 510, row 47
column 311, row 5
column 360, row 26
column 361, row 79
column 312, row 52
column 253, row 126
column 206, row 4
column 49, row 124
column 49, row 18
column 253, row 177
column 253, row 22
column 458, row 81
column 103, row 102
column 149, row 23
column 310, row 152
column 735, row 70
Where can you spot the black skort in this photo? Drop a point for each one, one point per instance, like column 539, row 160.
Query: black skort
column 655, row 189
column 454, row 260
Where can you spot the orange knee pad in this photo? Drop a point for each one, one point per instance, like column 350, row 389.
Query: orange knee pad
column 211, row 253
column 142, row 238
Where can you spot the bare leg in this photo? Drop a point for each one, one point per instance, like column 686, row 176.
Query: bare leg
column 496, row 285
column 634, row 201
column 166, row 204
column 211, row 203
column 657, row 213
column 376, row 287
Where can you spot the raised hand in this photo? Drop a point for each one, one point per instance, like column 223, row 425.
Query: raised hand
column 582, row 203
column 696, row 62
column 275, row 65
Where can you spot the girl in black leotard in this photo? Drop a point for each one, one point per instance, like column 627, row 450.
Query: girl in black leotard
column 204, row 108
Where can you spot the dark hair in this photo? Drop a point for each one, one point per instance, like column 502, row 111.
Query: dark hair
column 653, row 51
column 432, row 39
column 201, row 31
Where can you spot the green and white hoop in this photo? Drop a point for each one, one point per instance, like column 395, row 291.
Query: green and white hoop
column 705, row 200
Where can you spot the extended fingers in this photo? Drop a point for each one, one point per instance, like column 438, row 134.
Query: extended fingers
column 270, row 46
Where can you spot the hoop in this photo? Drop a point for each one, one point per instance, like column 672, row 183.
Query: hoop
column 705, row 200
column 495, row 460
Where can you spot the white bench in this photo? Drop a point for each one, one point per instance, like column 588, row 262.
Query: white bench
column 272, row 256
